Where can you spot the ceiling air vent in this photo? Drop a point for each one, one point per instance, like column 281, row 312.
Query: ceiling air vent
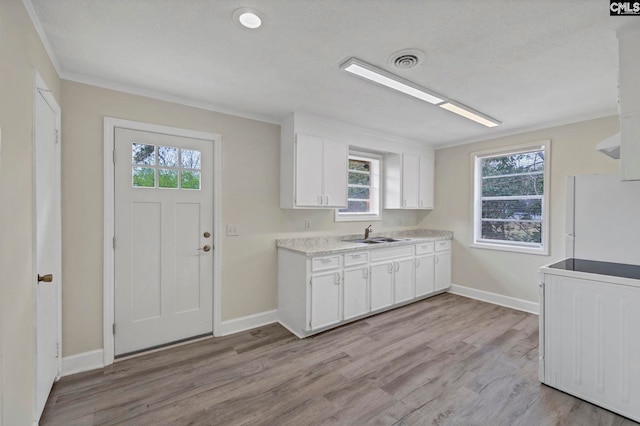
column 406, row 59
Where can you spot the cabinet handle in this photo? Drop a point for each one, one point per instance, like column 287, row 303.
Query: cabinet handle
column 417, row 262
column 420, row 203
column 397, row 266
column 437, row 258
column 337, row 277
column 404, row 203
column 365, row 272
column 325, row 260
column 390, row 268
column 355, row 256
column 326, row 197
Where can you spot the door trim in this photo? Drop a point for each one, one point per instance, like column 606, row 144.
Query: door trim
column 40, row 88
column 110, row 125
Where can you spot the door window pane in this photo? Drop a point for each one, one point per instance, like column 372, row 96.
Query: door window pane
column 190, row 179
column 168, row 157
column 190, row 159
column 144, row 177
column 167, row 178
column 143, row 154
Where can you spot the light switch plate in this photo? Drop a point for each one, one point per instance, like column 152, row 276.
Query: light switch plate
column 233, row 230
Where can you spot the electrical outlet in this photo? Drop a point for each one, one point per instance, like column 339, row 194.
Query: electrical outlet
column 307, row 225
column 233, row 230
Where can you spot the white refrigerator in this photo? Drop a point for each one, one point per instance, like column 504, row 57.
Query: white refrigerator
column 603, row 219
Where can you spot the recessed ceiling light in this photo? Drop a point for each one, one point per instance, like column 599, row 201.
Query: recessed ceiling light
column 248, row 18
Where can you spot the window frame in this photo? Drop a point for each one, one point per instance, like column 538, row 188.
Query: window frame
column 375, row 191
column 476, row 199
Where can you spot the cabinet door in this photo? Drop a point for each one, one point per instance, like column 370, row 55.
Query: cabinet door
column 442, row 270
column 403, row 280
column 425, row 283
column 425, row 184
column 325, row 299
column 336, row 164
column 356, row 290
column 381, row 285
column 308, row 177
column 410, row 176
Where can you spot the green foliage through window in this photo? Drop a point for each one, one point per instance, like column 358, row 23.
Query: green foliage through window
column 512, row 196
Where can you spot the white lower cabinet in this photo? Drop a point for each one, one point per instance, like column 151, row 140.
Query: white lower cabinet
column 326, row 299
column 356, row 292
column 403, row 282
column 381, row 285
column 424, row 275
column 316, row 293
column 442, row 265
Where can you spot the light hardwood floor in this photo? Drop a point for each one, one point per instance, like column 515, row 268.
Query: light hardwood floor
column 447, row 360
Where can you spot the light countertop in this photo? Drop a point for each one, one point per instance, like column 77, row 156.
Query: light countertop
column 319, row 246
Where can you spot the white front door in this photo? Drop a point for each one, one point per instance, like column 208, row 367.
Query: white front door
column 163, row 239
column 48, row 260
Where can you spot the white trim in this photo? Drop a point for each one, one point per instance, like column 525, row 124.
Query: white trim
column 109, row 221
column 496, row 299
column 237, row 325
column 525, row 129
column 85, row 361
column 154, row 94
column 476, row 198
column 43, row 36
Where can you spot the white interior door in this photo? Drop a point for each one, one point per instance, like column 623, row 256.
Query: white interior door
column 163, row 239
column 48, row 258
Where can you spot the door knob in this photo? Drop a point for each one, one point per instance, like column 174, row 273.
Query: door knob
column 206, row 248
column 45, row 278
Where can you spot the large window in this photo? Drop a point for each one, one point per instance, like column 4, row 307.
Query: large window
column 363, row 195
column 510, row 208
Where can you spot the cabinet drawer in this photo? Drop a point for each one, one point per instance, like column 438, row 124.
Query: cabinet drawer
column 424, row 248
column 325, row 262
column 443, row 245
column 356, row 258
column 391, row 253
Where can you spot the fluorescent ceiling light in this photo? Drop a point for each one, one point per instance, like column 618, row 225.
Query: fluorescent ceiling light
column 377, row 75
column 469, row 113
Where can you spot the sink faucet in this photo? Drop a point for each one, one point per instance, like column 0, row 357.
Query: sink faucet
column 367, row 231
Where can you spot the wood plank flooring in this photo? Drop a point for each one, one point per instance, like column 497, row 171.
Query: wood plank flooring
column 447, row 360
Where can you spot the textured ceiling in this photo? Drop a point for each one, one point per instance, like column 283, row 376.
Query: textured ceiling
column 525, row 63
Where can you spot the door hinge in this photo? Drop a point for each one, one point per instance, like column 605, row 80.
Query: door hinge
column 114, row 243
column 57, row 135
column 57, row 349
column 114, row 156
column 114, row 328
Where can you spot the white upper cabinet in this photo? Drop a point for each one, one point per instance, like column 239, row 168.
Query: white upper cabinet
column 318, row 178
column 408, row 181
column 629, row 98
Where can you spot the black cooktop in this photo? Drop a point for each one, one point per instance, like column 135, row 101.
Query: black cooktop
column 621, row 270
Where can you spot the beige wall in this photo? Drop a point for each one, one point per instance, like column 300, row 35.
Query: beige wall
column 513, row 274
column 20, row 51
column 250, row 199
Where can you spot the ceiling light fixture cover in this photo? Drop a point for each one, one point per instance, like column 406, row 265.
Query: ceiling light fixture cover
column 470, row 113
column 384, row 78
column 248, row 18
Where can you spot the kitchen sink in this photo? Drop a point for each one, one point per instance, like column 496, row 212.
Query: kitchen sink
column 378, row 240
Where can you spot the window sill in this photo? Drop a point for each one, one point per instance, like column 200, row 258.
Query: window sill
column 357, row 218
column 515, row 249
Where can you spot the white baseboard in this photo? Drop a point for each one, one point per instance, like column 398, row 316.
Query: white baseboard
column 82, row 362
column 496, row 299
column 237, row 325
